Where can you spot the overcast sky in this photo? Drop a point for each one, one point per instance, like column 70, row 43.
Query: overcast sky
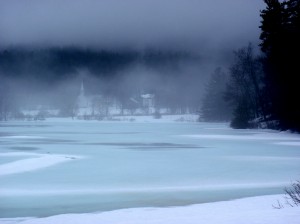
column 137, row 24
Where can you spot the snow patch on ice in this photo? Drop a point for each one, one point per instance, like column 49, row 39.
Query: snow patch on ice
column 15, row 154
column 30, row 164
column 262, row 158
column 288, row 143
column 258, row 136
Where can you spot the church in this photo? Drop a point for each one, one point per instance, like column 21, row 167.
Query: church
column 82, row 100
column 93, row 105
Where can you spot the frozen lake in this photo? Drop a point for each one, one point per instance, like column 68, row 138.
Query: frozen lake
column 49, row 168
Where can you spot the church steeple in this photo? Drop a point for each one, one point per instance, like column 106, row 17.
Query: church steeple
column 81, row 89
column 82, row 100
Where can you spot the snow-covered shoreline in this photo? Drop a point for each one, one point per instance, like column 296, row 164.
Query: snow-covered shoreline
column 135, row 118
column 258, row 210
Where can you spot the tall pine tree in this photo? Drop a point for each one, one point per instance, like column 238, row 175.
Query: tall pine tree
column 280, row 42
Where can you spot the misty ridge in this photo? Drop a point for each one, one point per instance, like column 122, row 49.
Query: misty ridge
column 52, row 77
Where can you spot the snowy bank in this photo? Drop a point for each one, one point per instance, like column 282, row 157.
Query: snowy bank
column 258, row 210
column 136, row 118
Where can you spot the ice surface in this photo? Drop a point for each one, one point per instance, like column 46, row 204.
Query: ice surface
column 89, row 166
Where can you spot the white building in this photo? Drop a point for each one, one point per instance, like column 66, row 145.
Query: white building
column 98, row 105
column 148, row 103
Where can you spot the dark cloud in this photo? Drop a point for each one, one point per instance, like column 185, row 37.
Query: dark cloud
column 137, row 24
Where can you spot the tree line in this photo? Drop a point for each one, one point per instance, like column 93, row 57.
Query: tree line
column 262, row 90
column 56, row 63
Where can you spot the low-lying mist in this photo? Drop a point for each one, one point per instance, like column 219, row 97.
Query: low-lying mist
column 53, row 78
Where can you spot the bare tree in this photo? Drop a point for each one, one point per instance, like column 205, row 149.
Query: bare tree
column 214, row 107
column 293, row 194
column 244, row 90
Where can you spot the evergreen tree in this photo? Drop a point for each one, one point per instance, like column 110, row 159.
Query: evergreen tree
column 280, row 42
column 8, row 107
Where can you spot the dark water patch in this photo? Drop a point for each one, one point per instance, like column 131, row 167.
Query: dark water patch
column 137, row 145
column 5, row 134
column 118, row 133
column 23, row 148
column 47, row 141
column 157, row 148
column 90, row 133
column 6, row 143
column 57, row 140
